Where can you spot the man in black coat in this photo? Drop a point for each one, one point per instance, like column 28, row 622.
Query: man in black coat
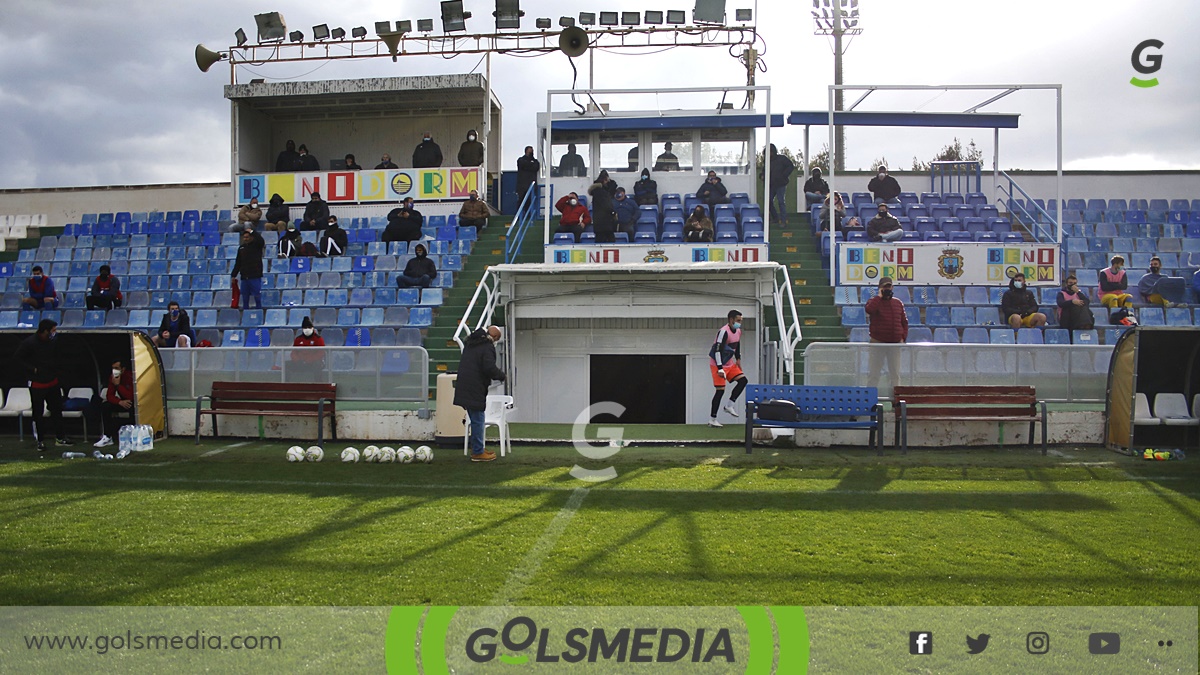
column 316, row 213
column 419, row 271
column 713, row 191
column 249, row 264
column 334, row 239
column 604, row 219
column 307, row 162
column 427, row 155
column 528, row 168
column 476, row 370
column 289, row 159
column 404, row 224
column 884, row 187
column 38, row 356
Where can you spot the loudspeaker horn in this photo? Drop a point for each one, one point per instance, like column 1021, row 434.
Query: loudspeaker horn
column 573, row 41
column 392, row 40
column 205, row 57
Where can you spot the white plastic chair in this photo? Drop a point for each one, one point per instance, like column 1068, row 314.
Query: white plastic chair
column 1172, row 410
column 1141, row 411
column 18, row 404
column 79, row 392
column 495, row 414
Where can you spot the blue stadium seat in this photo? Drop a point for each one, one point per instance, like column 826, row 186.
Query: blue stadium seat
column 252, row 318
column 384, row 296
column 420, row 317
column 1151, row 316
column 1178, row 316
column 372, row 316
column 296, row 316
column 854, row 316
column 348, row 317
column 1030, row 336
column 949, row 295
column 275, row 317
column 945, row 335
column 975, row 335
column 1001, row 336
column 358, row 337
column 361, row 297
column 234, row 338
column 962, row 316
column 363, row 264
column 205, row 318
column 258, row 337
column 314, row 297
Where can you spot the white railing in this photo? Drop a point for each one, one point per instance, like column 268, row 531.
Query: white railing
column 789, row 332
column 487, row 295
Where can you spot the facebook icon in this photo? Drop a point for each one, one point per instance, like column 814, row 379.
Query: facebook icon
column 920, row 642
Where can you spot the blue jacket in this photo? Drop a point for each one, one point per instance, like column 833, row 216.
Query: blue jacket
column 626, row 209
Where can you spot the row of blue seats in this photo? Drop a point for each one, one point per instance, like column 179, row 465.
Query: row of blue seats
column 1137, row 217
column 861, row 236
column 1124, row 245
column 333, row 297
column 962, row 316
column 748, row 212
column 985, row 211
column 217, row 282
column 1051, row 205
column 216, row 260
column 378, row 336
column 66, row 252
column 1131, row 230
column 1003, row 336
column 964, row 295
column 415, row 317
column 646, row 237
column 1091, row 262
column 907, row 199
column 212, row 236
column 192, row 217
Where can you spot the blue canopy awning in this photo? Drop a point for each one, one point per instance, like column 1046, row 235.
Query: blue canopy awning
column 733, row 121
column 852, row 118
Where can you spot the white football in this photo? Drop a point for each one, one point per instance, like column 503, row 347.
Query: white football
column 424, row 454
column 387, row 455
column 350, row 455
column 314, row 454
column 295, row 454
column 370, row 453
column 405, row 455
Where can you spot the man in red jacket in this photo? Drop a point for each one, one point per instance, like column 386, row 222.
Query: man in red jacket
column 118, row 399
column 888, row 325
column 574, row 218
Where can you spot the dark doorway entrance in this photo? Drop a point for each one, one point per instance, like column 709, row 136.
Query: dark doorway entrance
column 652, row 388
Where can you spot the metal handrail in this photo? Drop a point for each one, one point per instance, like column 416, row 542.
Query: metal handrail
column 526, row 212
column 961, row 170
column 1034, row 224
column 789, row 334
column 491, row 296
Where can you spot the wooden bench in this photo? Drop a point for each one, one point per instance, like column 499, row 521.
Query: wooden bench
column 268, row 399
column 816, row 406
column 967, row 404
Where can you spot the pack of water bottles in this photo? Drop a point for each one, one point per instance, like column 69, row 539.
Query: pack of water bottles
column 135, row 438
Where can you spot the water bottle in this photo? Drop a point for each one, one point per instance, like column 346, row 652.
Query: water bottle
column 73, row 455
column 123, row 436
column 145, row 438
column 98, row 455
column 123, row 454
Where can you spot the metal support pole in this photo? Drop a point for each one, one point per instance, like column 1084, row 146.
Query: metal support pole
column 1058, row 168
column 485, row 130
column 839, row 139
column 834, row 160
column 995, row 162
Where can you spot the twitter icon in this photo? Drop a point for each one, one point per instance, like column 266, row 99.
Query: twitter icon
column 978, row 644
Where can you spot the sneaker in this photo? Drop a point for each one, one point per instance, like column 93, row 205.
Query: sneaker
column 731, row 409
column 104, row 442
column 63, row 442
column 485, row 456
column 41, row 447
column 714, row 423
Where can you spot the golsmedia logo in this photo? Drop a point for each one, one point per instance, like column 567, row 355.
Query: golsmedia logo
column 1146, row 63
column 623, row 645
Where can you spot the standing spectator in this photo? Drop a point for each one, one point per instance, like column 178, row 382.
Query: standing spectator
column 667, row 161
column 476, row 370
column 610, row 185
column 279, row 216
column 633, row 158
column 1113, row 285
column 42, row 294
column 474, row 212
column 333, row 239
column 249, row 214
column 816, row 189
column 386, row 162
column 106, row 291
column 571, row 164
column 175, row 329
column 713, row 191
column 307, row 162
column 308, row 365
column 403, row 225
column 645, row 191
column 470, row 153
column 118, row 399
column 289, row 242
column 352, row 164
column 38, row 355
column 698, row 227
column 725, row 363
column 604, row 219
column 884, row 187
column 419, row 271
column 884, row 226
column 528, row 168
column 289, row 159
column 627, row 213
column 1019, row 306
column 427, row 155
column 781, row 170
column 888, row 325
column 574, row 217
column 1073, row 311
column 249, row 264
column 1147, row 285
column 316, row 213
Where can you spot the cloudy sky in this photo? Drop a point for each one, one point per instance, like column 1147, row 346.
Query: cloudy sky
column 98, row 92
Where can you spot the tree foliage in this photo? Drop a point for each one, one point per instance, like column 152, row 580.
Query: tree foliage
column 954, row 152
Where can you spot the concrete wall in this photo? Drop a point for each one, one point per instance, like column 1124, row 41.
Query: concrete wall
column 1042, row 184
column 357, row 425
column 67, row 205
column 1065, row 428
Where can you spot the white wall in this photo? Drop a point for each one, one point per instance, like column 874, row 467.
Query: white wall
column 66, row 205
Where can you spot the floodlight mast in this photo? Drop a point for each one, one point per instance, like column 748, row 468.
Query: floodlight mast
column 833, row 21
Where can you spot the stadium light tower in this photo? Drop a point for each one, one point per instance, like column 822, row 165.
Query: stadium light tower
column 837, row 18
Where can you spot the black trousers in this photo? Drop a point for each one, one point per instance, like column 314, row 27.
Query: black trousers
column 50, row 398
column 109, row 417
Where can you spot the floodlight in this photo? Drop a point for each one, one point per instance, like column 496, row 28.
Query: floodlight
column 543, row 23
column 404, row 26
column 453, row 16
column 608, row 18
column 424, row 25
column 382, row 27
column 587, row 18
column 709, row 11
column 338, row 33
column 631, row 18
column 358, row 32
column 240, row 35
column 676, row 16
column 271, row 26
column 321, row 32
column 566, row 21
column 296, row 36
column 744, row 14
column 653, row 17
column 508, row 14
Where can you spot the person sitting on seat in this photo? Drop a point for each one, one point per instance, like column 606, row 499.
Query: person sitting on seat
column 106, row 290
column 1113, row 285
column 839, row 211
column 1019, row 306
column 474, row 212
column 1147, row 284
column 118, row 400
column 42, row 294
column 645, row 191
column 279, row 216
column 175, row 330
column 815, row 188
column 884, row 187
column 627, row 213
column 289, row 242
column 884, row 226
column 333, row 240
column 1073, row 310
column 316, row 213
column 404, row 224
column 249, row 214
column 713, row 191
column 352, row 164
column 698, row 226
column 574, row 217
column 420, row 270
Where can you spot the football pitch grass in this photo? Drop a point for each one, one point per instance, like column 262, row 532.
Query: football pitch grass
column 229, row 522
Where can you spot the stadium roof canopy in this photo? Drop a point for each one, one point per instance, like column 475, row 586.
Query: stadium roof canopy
column 851, row 118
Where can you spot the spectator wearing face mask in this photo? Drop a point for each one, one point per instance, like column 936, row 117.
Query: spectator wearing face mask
column 1073, row 311
column 884, row 226
column 887, row 324
column 474, row 213
column 1149, row 288
column 289, row 159
column 316, row 213
column 528, row 168
column 42, row 294
column 1019, row 306
column 419, row 271
column 427, row 155
column 470, row 153
column 404, row 224
column 334, row 240
column 713, row 191
column 38, row 355
column 1113, row 285
column 307, row 162
column 175, row 329
column 106, row 290
column 884, row 187
column 627, row 212
column 645, row 191
column 574, row 217
column 307, row 364
column 249, row 214
column 279, row 216
column 118, row 400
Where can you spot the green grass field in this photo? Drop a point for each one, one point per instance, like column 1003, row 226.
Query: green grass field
column 679, row 526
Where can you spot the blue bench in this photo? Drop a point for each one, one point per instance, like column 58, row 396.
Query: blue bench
column 817, row 406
